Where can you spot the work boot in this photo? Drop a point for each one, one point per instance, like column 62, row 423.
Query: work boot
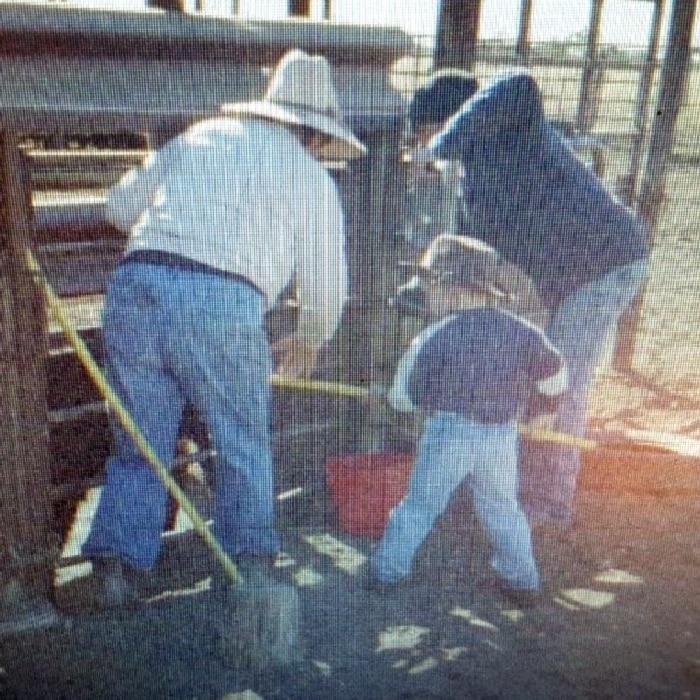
column 521, row 598
column 23, row 609
column 371, row 583
column 385, row 588
column 116, row 587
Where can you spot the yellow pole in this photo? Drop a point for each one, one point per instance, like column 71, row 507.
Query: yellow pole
column 323, row 387
column 359, row 392
column 127, row 422
column 553, row 436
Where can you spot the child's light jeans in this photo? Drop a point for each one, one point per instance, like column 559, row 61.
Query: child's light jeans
column 451, row 449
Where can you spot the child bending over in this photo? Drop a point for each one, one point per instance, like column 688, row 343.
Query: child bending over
column 472, row 370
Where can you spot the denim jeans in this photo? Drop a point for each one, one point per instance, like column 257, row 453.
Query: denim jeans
column 173, row 336
column 450, row 450
column 579, row 328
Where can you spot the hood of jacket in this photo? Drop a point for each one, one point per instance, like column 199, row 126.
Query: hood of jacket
column 510, row 107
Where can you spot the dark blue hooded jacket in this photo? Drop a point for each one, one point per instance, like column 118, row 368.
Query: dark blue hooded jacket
column 528, row 195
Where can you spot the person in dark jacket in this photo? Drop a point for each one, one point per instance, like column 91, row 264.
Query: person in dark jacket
column 433, row 192
column 527, row 194
column 471, row 371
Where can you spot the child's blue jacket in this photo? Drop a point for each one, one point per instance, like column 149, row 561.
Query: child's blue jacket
column 481, row 363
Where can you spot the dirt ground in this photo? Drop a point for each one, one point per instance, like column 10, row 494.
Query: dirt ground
column 620, row 619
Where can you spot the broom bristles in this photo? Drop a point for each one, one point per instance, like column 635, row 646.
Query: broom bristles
column 262, row 630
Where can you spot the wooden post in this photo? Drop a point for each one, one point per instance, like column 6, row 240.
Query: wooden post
column 457, row 34
column 299, row 8
column 629, row 188
column 169, row 5
column 373, row 189
column 671, row 93
column 28, row 547
column 523, row 43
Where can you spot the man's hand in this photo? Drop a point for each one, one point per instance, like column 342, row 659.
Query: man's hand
column 295, row 357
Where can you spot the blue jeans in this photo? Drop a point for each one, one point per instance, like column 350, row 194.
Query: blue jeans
column 450, row 450
column 173, row 336
column 579, row 328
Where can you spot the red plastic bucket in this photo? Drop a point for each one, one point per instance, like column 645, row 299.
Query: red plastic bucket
column 365, row 487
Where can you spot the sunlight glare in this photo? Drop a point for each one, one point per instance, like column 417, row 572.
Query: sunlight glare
column 513, row 615
column 588, row 598
column 617, row 576
column 453, row 653
column 323, row 667
column 426, row 665
column 401, row 637
column 344, row 556
column 472, row 619
column 307, row 576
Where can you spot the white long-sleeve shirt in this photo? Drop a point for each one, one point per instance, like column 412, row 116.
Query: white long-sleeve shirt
column 243, row 196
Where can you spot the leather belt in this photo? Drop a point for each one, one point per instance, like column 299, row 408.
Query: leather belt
column 178, row 262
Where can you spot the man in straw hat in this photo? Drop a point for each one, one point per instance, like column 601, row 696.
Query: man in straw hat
column 221, row 219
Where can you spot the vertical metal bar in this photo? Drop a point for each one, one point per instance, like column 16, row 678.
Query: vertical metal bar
column 299, row 8
column 641, row 114
column 586, row 106
column 457, row 34
column 170, row 5
column 671, row 92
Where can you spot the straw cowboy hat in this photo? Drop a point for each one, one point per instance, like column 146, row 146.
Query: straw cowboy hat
column 301, row 93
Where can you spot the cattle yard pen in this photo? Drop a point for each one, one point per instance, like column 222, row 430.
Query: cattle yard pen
column 86, row 93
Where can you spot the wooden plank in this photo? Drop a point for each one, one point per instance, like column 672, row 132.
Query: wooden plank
column 27, row 30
